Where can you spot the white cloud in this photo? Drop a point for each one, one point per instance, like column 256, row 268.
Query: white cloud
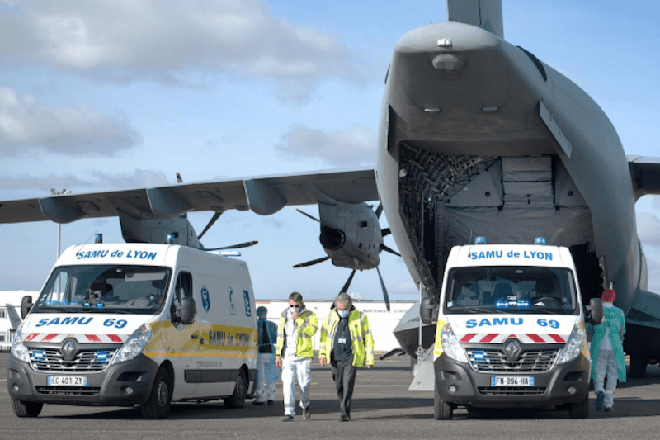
column 351, row 147
column 165, row 40
column 26, row 125
column 648, row 227
column 102, row 181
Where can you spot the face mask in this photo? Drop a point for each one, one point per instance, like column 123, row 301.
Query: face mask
column 343, row 313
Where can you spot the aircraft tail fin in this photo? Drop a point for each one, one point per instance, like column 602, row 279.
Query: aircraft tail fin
column 487, row 14
column 645, row 310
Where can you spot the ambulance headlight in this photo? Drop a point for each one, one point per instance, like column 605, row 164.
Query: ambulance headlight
column 18, row 349
column 575, row 345
column 450, row 345
column 134, row 345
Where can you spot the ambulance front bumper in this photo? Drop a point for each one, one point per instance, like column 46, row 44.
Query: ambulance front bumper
column 122, row 384
column 459, row 384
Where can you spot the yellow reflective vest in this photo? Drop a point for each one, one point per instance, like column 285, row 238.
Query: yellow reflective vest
column 362, row 340
column 307, row 325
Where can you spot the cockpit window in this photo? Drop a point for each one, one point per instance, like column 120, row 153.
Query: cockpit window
column 107, row 289
column 513, row 289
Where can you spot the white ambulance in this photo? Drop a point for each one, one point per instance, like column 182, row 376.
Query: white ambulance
column 136, row 324
column 511, row 330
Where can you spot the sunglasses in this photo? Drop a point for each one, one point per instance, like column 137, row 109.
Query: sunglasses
column 295, row 306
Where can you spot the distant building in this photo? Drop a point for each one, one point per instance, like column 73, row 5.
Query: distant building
column 382, row 322
column 8, row 300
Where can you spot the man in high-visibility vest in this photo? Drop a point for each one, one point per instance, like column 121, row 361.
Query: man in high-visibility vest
column 346, row 343
column 294, row 352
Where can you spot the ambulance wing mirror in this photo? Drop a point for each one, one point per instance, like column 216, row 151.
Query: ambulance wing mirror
column 188, row 310
column 26, row 306
column 428, row 310
column 594, row 313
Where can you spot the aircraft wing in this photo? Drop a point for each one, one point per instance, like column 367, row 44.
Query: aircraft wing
column 264, row 195
column 645, row 174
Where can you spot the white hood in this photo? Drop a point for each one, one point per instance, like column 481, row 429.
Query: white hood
column 86, row 328
column 497, row 328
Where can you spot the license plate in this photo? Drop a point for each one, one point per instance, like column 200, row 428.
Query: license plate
column 67, row 381
column 512, row 381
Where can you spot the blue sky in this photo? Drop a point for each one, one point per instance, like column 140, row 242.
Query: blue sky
column 117, row 94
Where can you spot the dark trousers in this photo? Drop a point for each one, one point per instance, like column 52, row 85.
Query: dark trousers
column 343, row 373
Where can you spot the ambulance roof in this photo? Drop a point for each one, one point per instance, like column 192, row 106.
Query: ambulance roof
column 135, row 254
column 509, row 255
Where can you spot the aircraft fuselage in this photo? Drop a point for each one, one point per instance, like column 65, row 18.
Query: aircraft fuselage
column 478, row 137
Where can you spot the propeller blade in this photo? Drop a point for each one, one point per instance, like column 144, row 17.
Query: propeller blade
column 312, row 262
column 234, row 246
column 208, row 226
column 308, row 215
column 384, row 232
column 348, row 282
column 390, row 250
column 379, row 211
column 386, row 297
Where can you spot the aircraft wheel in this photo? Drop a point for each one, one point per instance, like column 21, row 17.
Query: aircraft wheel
column 158, row 405
column 237, row 400
column 441, row 409
column 637, row 366
column 579, row 410
column 27, row 409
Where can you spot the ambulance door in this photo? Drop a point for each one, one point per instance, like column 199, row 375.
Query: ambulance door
column 184, row 338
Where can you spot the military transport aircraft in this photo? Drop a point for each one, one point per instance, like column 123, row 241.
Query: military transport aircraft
column 478, row 137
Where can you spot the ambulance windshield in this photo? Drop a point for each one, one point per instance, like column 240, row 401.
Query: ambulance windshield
column 105, row 289
column 509, row 289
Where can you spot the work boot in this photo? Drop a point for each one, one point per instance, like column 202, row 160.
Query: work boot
column 287, row 418
column 307, row 414
column 344, row 418
column 600, row 397
column 256, row 402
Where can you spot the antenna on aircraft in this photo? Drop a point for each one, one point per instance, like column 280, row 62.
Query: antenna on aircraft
column 178, row 178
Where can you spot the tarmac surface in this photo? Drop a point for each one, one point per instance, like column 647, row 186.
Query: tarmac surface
column 382, row 408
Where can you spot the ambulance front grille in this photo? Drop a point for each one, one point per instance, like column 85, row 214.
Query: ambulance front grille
column 51, row 359
column 493, row 360
column 512, row 391
column 69, row 391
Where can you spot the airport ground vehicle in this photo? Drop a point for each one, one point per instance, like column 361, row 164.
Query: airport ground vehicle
column 511, row 330
column 136, row 324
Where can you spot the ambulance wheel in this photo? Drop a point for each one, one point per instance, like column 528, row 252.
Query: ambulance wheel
column 441, row 409
column 579, row 410
column 158, row 405
column 27, row 409
column 237, row 400
column 637, row 366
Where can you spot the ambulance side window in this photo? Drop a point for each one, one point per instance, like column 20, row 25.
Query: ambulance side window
column 183, row 289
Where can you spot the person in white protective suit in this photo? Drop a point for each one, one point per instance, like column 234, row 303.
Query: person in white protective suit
column 267, row 371
column 608, row 358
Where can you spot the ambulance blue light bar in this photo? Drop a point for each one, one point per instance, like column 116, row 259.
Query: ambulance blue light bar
column 539, row 240
column 98, row 238
column 480, row 240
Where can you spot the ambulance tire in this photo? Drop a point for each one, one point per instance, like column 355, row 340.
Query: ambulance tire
column 158, row 405
column 27, row 409
column 441, row 409
column 579, row 410
column 237, row 400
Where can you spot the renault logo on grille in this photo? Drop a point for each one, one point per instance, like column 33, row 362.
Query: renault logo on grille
column 69, row 349
column 513, row 350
